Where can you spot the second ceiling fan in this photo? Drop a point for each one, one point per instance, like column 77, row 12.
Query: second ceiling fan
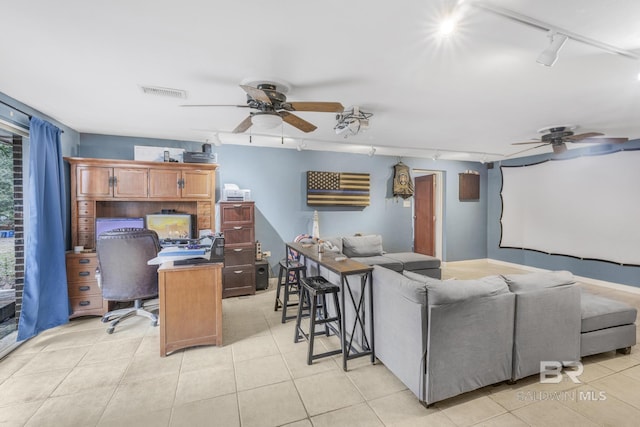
column 270, row 100
column 557, row 136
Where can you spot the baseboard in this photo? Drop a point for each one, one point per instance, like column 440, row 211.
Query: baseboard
column 588, row 280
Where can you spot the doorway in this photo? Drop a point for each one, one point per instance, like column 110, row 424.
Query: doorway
column 427, row 217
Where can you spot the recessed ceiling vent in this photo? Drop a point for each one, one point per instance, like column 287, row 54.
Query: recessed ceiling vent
column 164, row 91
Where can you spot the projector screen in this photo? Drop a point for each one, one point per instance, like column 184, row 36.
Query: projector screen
column 586, row 207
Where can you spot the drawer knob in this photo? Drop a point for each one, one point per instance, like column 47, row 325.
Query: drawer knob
column 84, row 288
column 237, row 228
column 84, row 261
column 84, row 274
column 237, row 250
column 238, row 271
column 84, row 303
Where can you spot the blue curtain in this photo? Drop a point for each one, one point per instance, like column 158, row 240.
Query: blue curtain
column 45, row 301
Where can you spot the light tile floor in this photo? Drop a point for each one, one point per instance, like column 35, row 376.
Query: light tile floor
column 78, row 375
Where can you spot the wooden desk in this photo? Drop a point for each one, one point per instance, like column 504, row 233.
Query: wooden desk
column 190, row 305
column 347, row 269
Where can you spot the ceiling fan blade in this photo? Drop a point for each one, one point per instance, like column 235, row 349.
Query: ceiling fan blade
column 527, row 149
column 297, row 122
column 528, row 142
column 257, row 94
column 604, row 140
column 575, row 138
column 244, row 125
column 559, row 148
column 322, row 107
column 214, row 105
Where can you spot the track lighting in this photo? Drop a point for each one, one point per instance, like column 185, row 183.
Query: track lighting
column 301, row 146
column 549, row 56
column 435, row 156
column 216, row 140
column 372, row 151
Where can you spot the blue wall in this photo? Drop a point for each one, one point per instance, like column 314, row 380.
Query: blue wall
column 594, row 269
column 277, row 180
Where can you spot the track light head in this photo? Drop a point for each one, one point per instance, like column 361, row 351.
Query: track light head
column 372, row 151
column 549, row 56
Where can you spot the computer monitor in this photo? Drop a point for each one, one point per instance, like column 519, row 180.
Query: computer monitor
column 172, row 226
column 108, row 224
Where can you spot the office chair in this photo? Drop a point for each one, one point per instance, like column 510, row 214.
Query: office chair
column 124, row 274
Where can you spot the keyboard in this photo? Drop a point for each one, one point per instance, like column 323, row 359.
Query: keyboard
column 191, row 261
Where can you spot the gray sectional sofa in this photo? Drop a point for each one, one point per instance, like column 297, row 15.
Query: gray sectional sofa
column 368, row 250
column 444, row 338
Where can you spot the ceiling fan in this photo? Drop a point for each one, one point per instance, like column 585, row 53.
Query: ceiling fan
column 557, row 136
column 270, row 100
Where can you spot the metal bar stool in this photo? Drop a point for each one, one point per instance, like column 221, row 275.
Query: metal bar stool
column 289, row 278
column 313, row 300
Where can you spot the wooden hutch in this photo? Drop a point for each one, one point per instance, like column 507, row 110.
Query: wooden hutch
column 127, row 188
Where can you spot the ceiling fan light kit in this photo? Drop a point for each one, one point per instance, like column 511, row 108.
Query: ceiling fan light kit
column 266, row 120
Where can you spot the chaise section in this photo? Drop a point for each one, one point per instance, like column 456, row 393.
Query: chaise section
column 607, row 325
column 418, row 263
column 382, row 261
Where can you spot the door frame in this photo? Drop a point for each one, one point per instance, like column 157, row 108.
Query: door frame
column 438, row 209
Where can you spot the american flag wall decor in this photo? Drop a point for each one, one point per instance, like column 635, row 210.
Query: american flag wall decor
column 337, row 189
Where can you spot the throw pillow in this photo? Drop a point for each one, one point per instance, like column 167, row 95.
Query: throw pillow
column 358, row 246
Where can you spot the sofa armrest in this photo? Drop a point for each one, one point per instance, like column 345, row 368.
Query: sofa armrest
column 400, row 326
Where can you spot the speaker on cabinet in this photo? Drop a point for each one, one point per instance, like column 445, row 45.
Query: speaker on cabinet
column 262, row 275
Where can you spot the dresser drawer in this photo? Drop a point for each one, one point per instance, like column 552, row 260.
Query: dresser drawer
column 238, row 280
column 239, row 254
column 84, row 290
column 238, row 234
column 85, row 208
column 86, row 225
column 236, row 213
column 86, row 303
column 79, row 273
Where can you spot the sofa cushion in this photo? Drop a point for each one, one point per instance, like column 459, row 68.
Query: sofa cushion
column 361, row 246
column 600, row 312
column 451, row 291
column 413, row 261
column 536, row 281
column 382, row 261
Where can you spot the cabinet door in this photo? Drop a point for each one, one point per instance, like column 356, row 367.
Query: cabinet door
column 164, row 183
column 197, row 184
column 94, row 181
column 131, row 182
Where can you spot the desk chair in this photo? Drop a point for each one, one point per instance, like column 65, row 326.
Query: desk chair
column 124, row 274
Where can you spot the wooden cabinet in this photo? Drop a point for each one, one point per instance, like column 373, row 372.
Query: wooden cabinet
column 101, row 181
column 190, row 299
column 126, row 188
column 180, row 183
column 469, row 186
column 237, row 222
column 85, row 296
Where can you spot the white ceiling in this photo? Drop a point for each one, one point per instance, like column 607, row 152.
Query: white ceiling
column 466, row 96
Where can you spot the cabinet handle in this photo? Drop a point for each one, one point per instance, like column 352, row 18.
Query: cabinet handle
column 237, row 228
column 84, row 261
column 84, row 303
column 237, row 206
column 84, row 288
column 237, row 271
column 84, row 273
column 237, row 250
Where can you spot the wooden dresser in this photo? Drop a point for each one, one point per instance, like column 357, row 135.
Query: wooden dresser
column 237, row 222
column 85, row 296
